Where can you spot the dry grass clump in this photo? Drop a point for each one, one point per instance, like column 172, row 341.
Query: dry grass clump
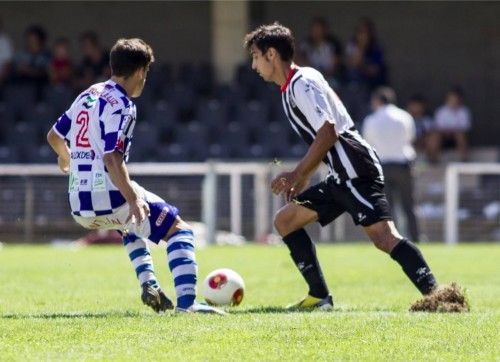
column 445, row 299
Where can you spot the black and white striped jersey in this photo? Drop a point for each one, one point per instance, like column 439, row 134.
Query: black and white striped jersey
column 309, row 102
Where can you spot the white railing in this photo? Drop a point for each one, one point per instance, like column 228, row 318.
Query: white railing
column 212, row 186
column 452, row 193
column 210, row 171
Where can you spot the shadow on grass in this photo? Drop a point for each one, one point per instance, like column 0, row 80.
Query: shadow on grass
column 234, row 311
column 283, row 310
column 260, row 310
column 73, row 315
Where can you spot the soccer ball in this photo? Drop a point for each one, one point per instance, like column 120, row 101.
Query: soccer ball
column 223, row 287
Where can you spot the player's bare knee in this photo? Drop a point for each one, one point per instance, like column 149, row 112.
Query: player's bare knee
column 283, row 221
column 280, row 223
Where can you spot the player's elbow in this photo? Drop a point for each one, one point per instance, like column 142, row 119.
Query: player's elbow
column 108, row 159
column 112, row 159
column 52, row 138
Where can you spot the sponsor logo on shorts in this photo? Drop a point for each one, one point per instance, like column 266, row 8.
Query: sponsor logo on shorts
column 361, row 217
column 162, row 216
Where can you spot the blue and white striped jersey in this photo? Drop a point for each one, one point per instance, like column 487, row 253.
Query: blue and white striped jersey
column 100, row 120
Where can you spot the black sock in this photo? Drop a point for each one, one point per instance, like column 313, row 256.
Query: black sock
column 413, row 263
column 304, row 256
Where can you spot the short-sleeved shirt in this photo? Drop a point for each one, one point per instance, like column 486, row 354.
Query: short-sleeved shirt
column 449, row 119
column 309, row 102
column 101, row 120
column 391, row 130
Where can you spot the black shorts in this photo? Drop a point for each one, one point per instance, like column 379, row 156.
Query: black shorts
column 363, row 199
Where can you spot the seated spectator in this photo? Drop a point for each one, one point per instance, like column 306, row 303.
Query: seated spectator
column 322, row 51
column 95, row 63
column 6, row 53
column 31, row 66
column 61, row 69
column 452, row 121
column 365, row 58
column 417, row 107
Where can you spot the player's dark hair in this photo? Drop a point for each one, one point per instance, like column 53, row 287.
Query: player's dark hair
column 128, row 55
column 386, row 95
column 274, row 36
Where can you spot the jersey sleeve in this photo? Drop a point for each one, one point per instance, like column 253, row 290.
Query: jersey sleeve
column 313, row 103
column 63, row 125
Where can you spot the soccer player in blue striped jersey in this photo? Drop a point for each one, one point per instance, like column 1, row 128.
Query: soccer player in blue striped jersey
column 92, row 140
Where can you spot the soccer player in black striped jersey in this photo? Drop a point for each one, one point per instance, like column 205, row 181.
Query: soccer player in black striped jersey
column 355, row 183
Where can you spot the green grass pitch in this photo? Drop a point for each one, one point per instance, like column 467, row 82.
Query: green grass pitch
column 61, row 304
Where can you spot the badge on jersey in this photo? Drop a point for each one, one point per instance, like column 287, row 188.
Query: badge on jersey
column 98, row 181
column 74, row 182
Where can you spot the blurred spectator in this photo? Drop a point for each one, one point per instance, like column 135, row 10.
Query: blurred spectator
column 452, row 121
column 6, row 53
column 95, row 64
column 417, row 107
column 31, row 66
column 391, row 130
column 61, row 70
column 365, row 58
column 322, row 51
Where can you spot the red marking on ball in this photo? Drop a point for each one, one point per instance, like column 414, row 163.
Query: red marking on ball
column 217, row 281
column 237, row 296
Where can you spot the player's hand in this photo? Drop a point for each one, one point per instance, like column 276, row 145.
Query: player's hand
column 138, row 212
column 284, row 182
column 295, row 190
column 63, row 164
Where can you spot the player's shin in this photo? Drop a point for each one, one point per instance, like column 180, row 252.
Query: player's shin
column 140, row 256
column 303, row 253
column 414, row 265
column 182, row 264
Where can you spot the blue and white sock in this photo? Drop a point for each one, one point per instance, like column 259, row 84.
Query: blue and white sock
column 138, row 252
column 182, row 264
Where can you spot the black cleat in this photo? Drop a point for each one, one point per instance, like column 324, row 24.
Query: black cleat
column 155, row 298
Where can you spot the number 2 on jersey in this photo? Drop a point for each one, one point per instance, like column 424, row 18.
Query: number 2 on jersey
column 82, row 138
